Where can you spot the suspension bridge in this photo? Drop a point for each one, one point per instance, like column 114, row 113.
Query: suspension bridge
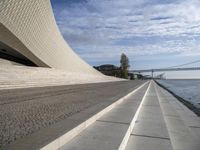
column 172, row 68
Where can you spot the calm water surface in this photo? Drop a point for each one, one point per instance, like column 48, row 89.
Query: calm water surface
column 187, row 89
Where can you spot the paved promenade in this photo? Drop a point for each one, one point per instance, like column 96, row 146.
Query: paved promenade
column 27, row 111
column 120, row 115
column 159, row 122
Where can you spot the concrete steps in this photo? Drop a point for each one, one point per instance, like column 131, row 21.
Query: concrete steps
column 164, row 124
column 182, row 124
column 150, row 131
column 157, row 122
column 13, row 76
column 113, row 129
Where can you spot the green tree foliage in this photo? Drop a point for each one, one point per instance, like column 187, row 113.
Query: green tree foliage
column 124, row 64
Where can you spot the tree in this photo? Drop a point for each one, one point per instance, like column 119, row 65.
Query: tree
column 124, row 64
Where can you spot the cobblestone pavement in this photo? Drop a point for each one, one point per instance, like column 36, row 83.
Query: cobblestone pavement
column 25, row 111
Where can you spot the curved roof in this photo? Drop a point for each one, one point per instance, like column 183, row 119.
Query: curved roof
column 29, row 27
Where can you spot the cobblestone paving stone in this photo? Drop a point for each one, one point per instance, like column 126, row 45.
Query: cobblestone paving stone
column 24, row 111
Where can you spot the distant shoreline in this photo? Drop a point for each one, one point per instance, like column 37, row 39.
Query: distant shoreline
column 185, row 102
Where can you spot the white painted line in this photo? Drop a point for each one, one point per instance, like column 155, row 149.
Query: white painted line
column 132, row 124
column 65, row 138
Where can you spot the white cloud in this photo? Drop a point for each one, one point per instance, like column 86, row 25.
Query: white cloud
column 95, row 26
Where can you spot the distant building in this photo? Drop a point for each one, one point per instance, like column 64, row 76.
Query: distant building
column 147, row 77
column 133, row 76
column 109, row 69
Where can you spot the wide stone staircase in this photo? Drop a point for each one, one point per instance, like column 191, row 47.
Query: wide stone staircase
column 17, row 76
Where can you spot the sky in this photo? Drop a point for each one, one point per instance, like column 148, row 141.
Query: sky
column 152, row 33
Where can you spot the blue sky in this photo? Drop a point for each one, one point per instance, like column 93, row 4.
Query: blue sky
column 153, row 33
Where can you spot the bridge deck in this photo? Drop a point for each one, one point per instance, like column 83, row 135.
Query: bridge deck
column 166, row 69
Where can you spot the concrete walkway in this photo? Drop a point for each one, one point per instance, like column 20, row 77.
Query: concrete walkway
column 112, row 130
column 182, row 124
column 157, row 122
column 32, row 118
column 150, row 131
column 147, row 118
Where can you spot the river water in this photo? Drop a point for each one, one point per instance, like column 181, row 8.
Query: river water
column 186, row 89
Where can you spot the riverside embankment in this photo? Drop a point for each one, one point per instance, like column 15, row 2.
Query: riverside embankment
column 185, row 90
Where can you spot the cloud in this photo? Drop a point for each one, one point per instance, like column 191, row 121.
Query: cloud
column 105, row 28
